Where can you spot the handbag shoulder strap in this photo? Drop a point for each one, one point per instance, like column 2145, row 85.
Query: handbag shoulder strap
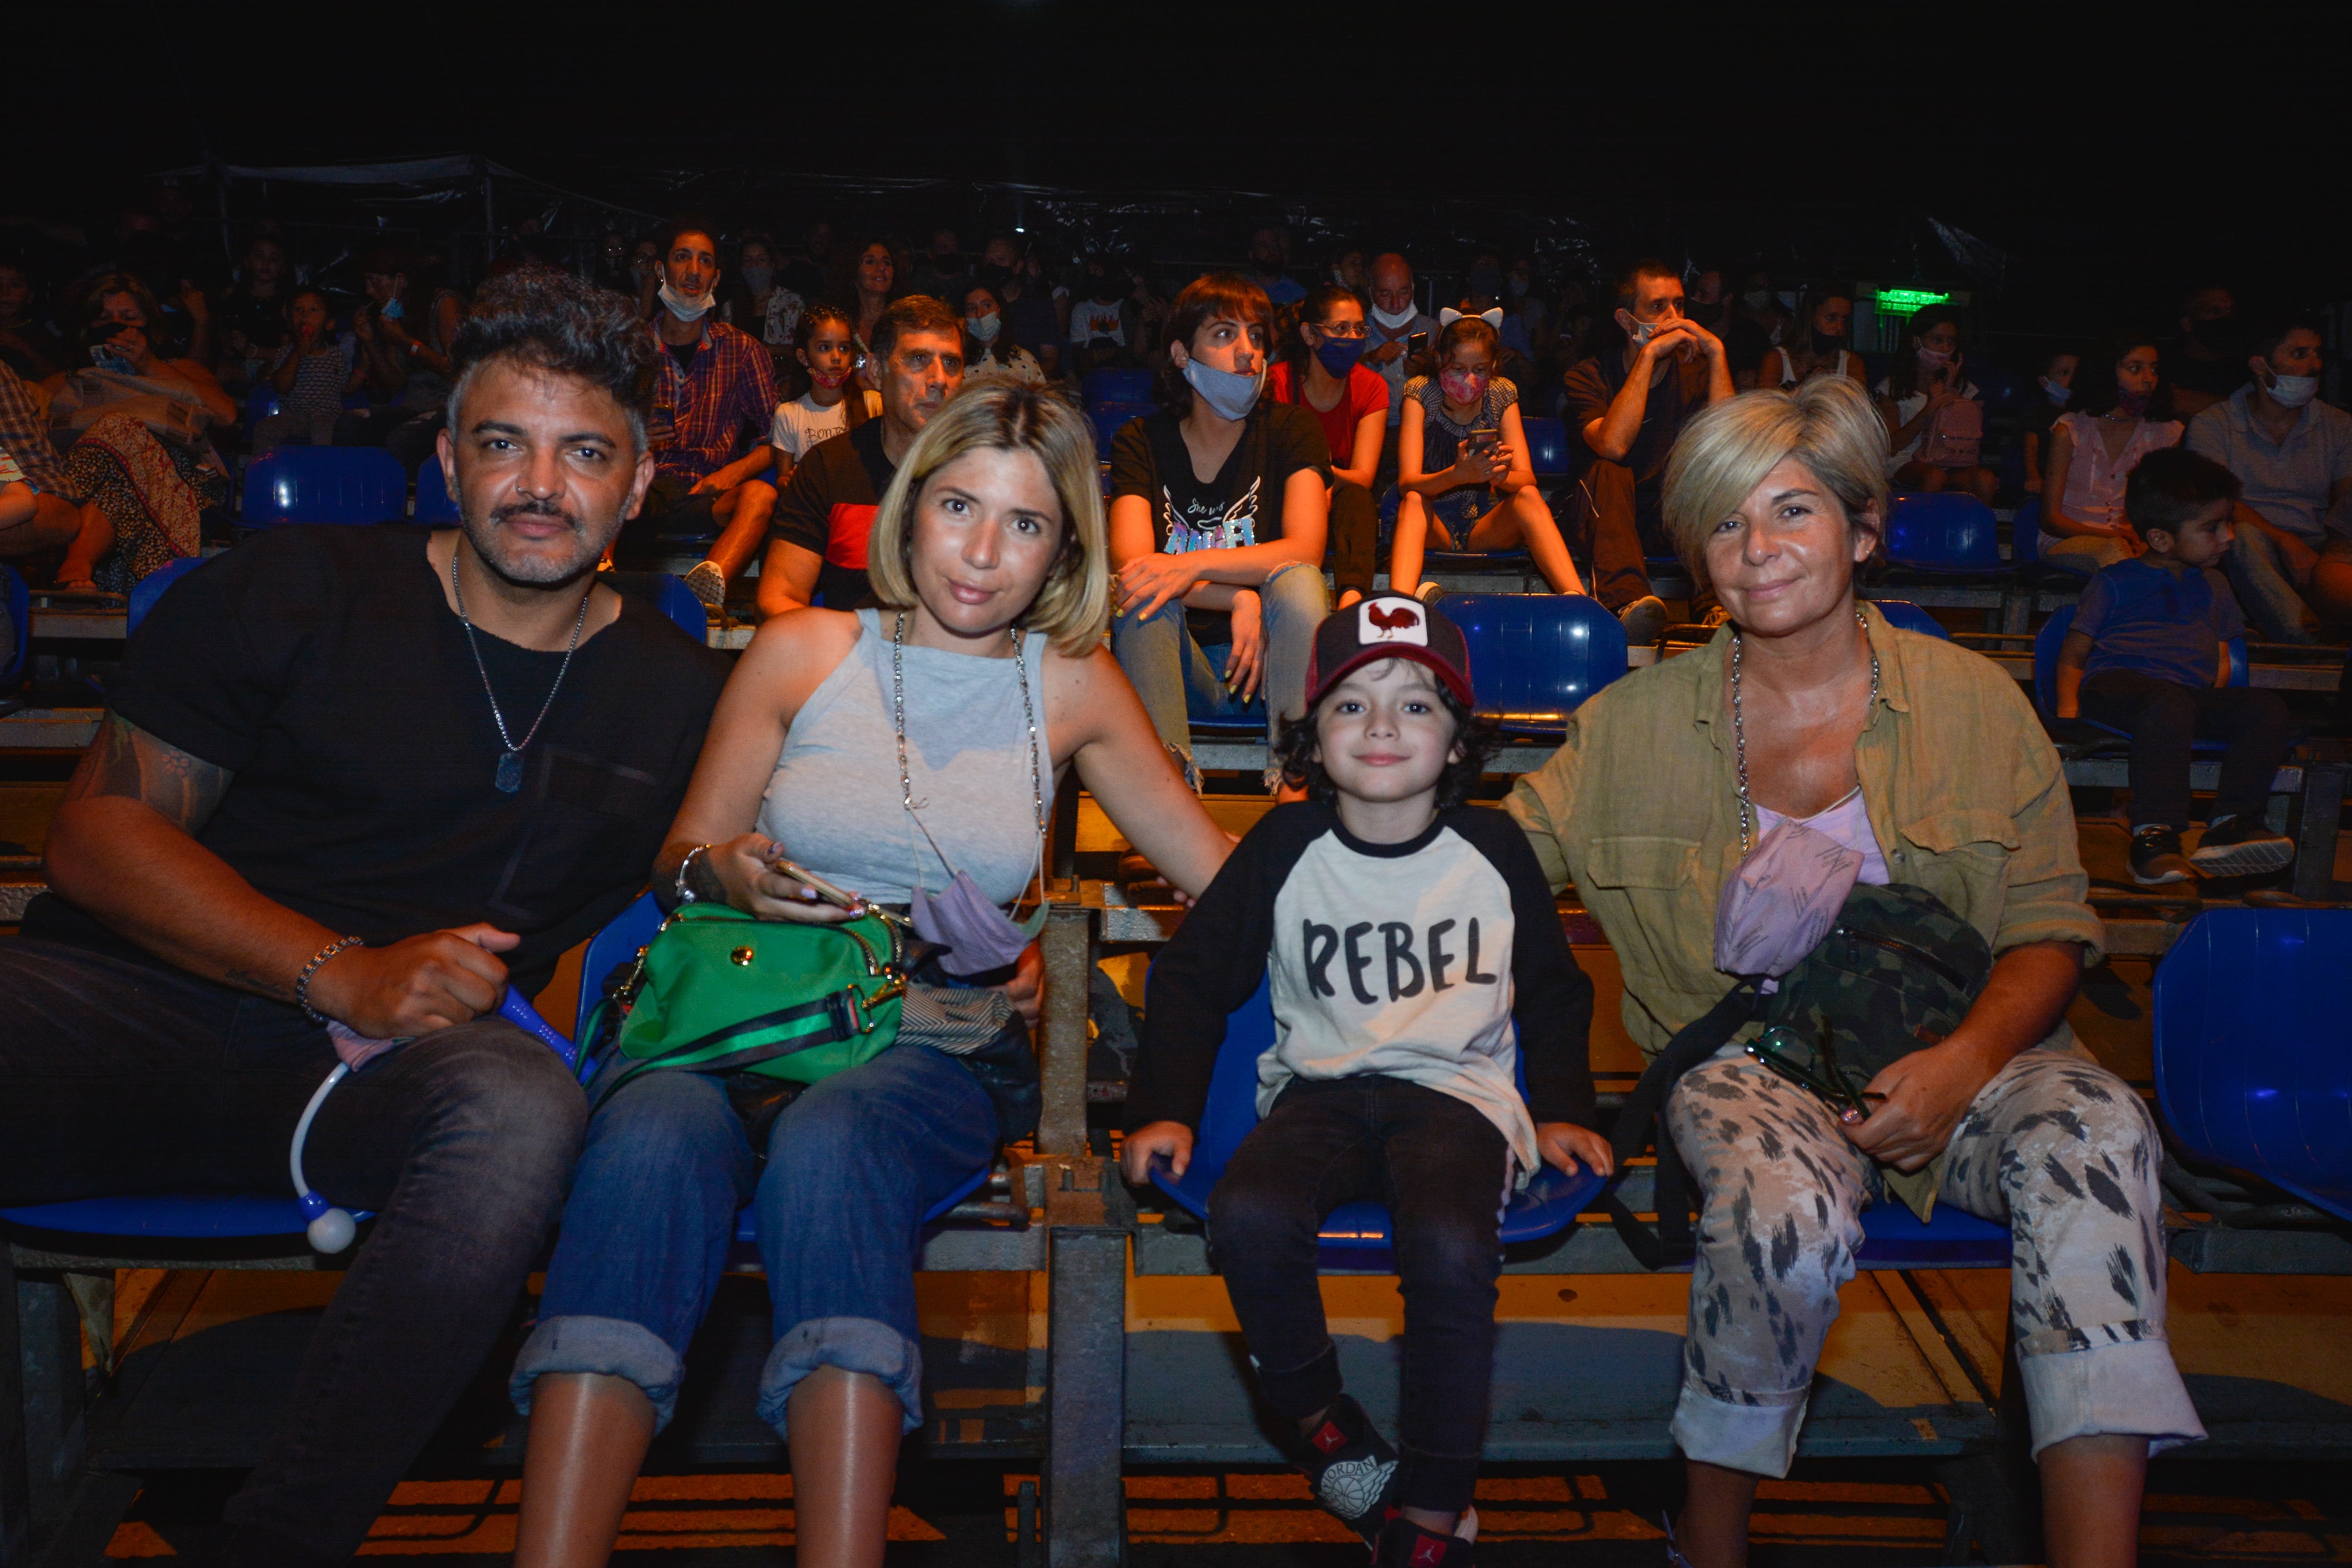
column 1643, row 1118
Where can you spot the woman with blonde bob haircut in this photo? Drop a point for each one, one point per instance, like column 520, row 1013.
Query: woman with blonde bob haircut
column 893, row 753
column 1923, row 760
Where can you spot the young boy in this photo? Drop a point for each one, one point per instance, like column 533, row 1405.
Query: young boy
column 2147, row 653
column 1414, row 954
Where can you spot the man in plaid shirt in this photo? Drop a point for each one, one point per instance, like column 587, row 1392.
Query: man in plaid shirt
column 717, row 388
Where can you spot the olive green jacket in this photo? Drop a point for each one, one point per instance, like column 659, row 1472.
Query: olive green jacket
column 1966, row 795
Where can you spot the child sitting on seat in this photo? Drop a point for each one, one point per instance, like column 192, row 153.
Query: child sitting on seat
column 1461, row 466
column 1413, row 952
column 2149, row 655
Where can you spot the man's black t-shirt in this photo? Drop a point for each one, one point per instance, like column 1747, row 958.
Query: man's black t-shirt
column 1593, row 386
column 828, row 509
column 1239, row 507
column 323, row 669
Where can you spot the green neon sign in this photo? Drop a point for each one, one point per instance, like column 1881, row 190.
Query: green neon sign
column 1904, row 301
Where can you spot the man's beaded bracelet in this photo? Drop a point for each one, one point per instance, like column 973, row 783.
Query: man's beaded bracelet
column 319, row 961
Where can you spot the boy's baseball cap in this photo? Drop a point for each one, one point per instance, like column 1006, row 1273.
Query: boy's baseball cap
column 1387, row 626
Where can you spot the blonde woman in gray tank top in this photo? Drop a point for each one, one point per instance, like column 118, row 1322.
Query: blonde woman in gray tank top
column 988, row 553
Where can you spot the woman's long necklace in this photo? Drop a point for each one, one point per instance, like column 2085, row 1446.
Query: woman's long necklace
column 1739, row 730
column 509, row 777
column 898, row 718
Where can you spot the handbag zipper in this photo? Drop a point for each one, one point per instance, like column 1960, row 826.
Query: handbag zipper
column 1901, row 948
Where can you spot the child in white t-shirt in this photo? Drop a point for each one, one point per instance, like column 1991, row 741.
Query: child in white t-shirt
column 828, row 347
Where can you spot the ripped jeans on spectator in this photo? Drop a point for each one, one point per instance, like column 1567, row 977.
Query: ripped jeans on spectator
column 2060, row 1149
column 1178, row 679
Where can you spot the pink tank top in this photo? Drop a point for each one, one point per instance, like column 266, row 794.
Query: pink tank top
column 2094, row 487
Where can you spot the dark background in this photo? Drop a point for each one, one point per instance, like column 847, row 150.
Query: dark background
column 2112, row 155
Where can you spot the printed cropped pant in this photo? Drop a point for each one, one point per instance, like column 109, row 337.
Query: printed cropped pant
column 2060, row 1149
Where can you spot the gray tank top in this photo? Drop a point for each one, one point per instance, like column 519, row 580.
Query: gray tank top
column 835, row 804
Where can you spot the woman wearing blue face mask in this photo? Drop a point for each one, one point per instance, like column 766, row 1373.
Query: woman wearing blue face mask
column 1321, row 368
column 2037, row 415
column 1219, row 513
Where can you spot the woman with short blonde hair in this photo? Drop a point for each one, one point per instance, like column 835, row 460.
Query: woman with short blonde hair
column 1923, row 765
column 891, row 752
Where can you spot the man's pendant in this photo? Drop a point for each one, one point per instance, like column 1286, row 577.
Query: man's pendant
column 509, row 777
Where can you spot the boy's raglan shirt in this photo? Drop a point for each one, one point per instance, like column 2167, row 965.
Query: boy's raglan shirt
column 1436, row 961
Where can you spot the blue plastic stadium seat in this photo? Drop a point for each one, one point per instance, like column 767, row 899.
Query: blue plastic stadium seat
column 1117, row 386
column 17, row 599
column 324, row 484
column 1547, row 446
column 1911, row 618
column 1943, row 532
column 1355, row 1234
column 1534, row 657
column 676, row 600
column 150, row 588
column 1893, row 1237
column 2047, row 643
column 229, row 1216
column 435, row 508
column 2025, row 534
column 1108, row 417
column 2253, row 1047
column 260, row 404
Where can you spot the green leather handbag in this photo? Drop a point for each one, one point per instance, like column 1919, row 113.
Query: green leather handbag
column 721, row 992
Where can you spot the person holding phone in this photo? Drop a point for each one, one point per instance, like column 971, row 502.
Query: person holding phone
column 1461, row 466
column 1934, row 442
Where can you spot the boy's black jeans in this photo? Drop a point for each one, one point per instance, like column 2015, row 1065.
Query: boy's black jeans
column 1444, row 1173
column 2164, row 718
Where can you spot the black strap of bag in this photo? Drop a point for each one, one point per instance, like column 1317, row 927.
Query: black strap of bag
column 1671, row 1243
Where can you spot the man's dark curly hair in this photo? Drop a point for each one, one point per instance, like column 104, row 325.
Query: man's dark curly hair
column 552, row 322
column 1293, row 753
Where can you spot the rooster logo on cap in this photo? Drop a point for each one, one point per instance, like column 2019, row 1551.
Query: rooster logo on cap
column 1392, row 621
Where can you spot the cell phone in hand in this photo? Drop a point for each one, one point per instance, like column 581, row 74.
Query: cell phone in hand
column 808, row 878
column 1417, row 344
column 1485, row 438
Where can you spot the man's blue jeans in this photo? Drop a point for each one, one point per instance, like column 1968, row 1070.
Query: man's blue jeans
column 1180, row 681
column 853, row 1166
column 2258, row 572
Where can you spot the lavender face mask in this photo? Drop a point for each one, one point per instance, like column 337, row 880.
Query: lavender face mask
column 1783, row 900
column 979, row 936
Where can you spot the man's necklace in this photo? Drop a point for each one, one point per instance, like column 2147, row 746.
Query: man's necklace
column 509, row 777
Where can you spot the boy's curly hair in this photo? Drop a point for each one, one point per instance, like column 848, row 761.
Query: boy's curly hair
column 1295, row 747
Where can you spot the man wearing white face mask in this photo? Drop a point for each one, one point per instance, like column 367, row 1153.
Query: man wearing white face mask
column 714, row 399
column 2293, row 455
column 1625, row 407
column 1395, row 321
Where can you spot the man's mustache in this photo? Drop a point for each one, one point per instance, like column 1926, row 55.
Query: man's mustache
column 536, row 509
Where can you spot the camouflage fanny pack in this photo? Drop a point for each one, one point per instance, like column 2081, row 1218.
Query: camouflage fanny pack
column 1896, row 975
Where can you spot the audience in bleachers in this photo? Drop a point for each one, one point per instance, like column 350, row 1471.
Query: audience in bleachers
column 311, row 372
column 405, row 331
column 1269, row 256
column 2148, row 653
column 2120, row 410
column 817, row 541
column 1219, row 514
column 993, row 352
column 836, row 402
column 714, row 406
column 2036, row 415
column 1921, row 764
column 1624, row 409
column 135, row 425
column 1463, row 469
column 2208, row 362
column 321, row 816
column 2293, row 455
column 29, row 343
column 1320, row 368
column 1933, row 412
column 1399, row 336
column 1821, row 346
